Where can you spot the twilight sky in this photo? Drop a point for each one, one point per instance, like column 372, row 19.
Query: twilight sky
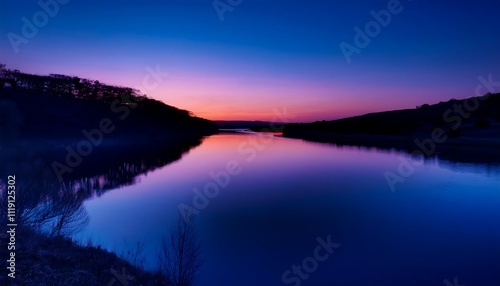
column 264, row 54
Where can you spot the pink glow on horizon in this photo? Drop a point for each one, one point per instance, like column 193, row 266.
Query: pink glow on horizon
column 253, row 94
column 229, row 99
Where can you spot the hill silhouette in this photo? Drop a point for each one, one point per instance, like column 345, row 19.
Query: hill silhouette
column 469, row 122
column 60, row 107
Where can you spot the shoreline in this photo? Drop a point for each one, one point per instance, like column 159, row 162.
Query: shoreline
column 469, row 149
column 58, row 260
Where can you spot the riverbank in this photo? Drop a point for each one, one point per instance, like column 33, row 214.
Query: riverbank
column 463, row 149
column 59, row 261
column 452, row 126
column 391, row 141
column 114, row 163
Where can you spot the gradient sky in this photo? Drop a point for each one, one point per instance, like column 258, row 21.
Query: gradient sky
column 265, row 54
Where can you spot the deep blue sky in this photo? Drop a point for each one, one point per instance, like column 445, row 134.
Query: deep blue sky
column 266, row 54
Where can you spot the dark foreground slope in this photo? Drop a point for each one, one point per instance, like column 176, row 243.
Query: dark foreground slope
column 59, row 261
column 473, row 122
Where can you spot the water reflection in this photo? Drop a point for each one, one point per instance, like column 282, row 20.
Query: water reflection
column 474, row 159
column 291, row 191
column 56, row 208
column 442, row 222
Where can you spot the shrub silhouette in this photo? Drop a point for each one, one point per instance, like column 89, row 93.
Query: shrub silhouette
column 423, row 106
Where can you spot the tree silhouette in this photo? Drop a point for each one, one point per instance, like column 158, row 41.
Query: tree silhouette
column 179, row 258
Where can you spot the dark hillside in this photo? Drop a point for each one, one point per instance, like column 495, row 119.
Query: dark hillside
column 60, row 107
column 452, row 116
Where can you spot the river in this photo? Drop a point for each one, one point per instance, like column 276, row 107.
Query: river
column 277, row 211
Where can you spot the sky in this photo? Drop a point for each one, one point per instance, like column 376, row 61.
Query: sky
column 242, row 59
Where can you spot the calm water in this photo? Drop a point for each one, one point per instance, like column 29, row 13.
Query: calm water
column 442, row 222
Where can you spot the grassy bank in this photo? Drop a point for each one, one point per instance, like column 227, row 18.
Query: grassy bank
column 59, row 261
